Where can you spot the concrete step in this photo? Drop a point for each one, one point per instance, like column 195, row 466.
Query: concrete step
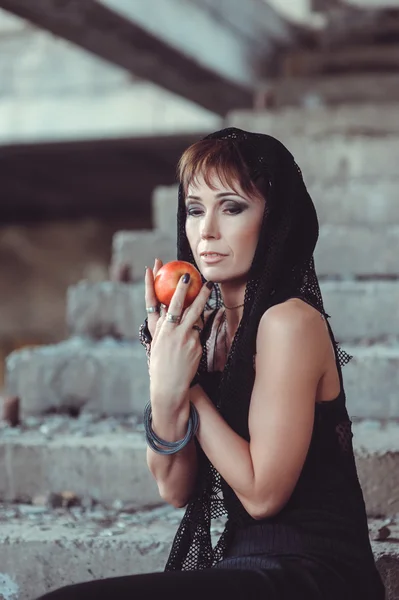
column 321, row 121
column 108, row 377
column 341, row 251
column 359, row 89
column 106, row 459
column 371, row 381
column 117, row 309
column 102, row 458
column 337, row 156
column 362, row 311
column 376, row 447
column 344, row 251
column 332, row 143
column 106, row 309
column 111, row 378
column 365, row 201
column 43, row 550
column 139, row 249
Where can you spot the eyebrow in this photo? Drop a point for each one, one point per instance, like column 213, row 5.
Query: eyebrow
column 220, row 195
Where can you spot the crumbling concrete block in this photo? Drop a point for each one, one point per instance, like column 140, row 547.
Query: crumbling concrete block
column 107, row 466
column 376, row 446
column 333, row 143
column 107, row 377
column 341, row 251
column 112, row 378
column 365, row 201
column 37, row 556
column 346, row 251
column 112, row 465
column 371, row 381
column 140, row 249
column 362, row 311
column 106, row 309
column 321, row 121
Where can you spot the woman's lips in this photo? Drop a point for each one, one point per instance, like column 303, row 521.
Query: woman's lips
column 212, row 258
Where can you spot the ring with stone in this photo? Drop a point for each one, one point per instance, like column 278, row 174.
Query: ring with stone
column 152, row 309
column 173, row 318
column 198, row 328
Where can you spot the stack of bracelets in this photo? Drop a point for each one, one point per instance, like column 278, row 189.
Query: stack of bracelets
column 171, row 447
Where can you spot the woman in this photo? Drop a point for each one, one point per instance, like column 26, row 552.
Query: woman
column 260, row 386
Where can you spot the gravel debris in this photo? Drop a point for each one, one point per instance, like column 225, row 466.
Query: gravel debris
column 98, row 521
column 389, row 340
column 85, row 425
column 384, row 530
column 107, row 520
column 120, row 518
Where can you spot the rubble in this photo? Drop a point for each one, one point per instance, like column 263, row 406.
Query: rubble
column 84, row 425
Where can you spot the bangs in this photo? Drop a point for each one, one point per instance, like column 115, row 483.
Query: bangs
column 222, row 158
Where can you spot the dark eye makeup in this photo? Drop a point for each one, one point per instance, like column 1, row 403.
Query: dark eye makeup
column 234, row 209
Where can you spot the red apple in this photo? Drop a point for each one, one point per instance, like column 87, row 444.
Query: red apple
column 168, row 277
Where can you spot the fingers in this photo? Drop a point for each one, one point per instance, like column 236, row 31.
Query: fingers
column 176, row 304
column 194, row 314
column 150, row 297
column 195, row 310
column 157, row 265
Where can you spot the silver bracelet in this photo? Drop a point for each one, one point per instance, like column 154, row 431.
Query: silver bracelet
column 172, row 447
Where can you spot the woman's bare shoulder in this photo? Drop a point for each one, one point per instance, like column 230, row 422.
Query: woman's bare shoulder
column 291, row 310
column 294, row 321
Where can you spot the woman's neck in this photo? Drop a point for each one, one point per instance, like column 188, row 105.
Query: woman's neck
column 233, row 305
column 232, row 318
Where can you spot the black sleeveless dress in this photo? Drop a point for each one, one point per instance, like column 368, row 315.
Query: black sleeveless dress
column 316, row 548
column 324, row 524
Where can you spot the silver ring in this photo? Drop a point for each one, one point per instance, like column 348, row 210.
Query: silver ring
column 173, row 318
column 152, row 309
column 198, row 328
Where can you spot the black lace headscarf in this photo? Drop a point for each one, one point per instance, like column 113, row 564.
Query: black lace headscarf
column 282, row 268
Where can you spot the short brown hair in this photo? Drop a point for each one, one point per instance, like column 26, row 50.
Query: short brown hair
column 219, row 156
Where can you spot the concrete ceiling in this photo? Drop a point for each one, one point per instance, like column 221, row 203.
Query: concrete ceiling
column 207, row 52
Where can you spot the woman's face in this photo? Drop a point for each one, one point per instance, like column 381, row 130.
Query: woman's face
column 224, row 221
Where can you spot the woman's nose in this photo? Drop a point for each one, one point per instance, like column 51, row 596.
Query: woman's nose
column 209, row 227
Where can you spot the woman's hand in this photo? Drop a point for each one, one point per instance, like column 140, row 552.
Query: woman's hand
column 176, row 348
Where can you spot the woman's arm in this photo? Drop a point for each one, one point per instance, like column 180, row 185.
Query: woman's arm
column 176, row 351
column 175, row 474
column 290, row 359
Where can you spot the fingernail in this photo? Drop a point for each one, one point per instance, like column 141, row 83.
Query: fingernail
column 209, row 285
column 186, row 278
column 145, row 269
